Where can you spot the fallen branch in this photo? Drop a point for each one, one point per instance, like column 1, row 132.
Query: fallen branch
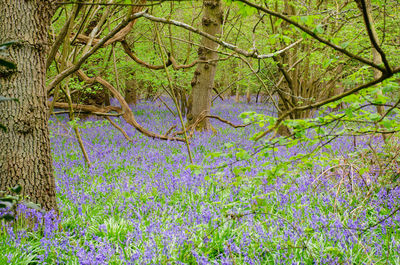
column 227, row 122
column 119, row 129
column 100, row 111
column 202, row 116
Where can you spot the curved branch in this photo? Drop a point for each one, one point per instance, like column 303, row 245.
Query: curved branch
column 127, row 112
column 203, row 116
column 362, row 5
column 70, row 70
column 129, row 52
column 171, row 60
column 120, row 35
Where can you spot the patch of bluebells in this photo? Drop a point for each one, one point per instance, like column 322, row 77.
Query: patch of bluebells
column 140, row 204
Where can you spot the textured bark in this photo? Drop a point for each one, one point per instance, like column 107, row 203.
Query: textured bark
column 25, row 156
column 203, row 80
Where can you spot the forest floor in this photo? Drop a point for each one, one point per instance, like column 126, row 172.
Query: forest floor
column 141, row 202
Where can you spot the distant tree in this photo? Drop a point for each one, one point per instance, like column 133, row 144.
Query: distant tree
column 131, row 90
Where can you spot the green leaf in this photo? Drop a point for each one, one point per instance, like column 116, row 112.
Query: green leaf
column 7, row 99
column 237, row 171
column 303, row 19
column 215, row 154
column 196, row 169
column 7, row 64
column 387, row 124
column 319, row 29
column 349, row 113
column 278, row 22
column 333, row 251
column 228, row 145
column 242, row 155
column 6, row 45
column 380, row 99
column 345, row 44
column 9, row 198
column 309, row 230
column 33, row 206
column 375, row 116
column 5, row 204
column 8, row 217
column 395, row 177
column 363, row 170
column 17, row 189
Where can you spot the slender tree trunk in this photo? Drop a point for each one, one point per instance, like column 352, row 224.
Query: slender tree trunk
column 376, row 57
column 131, row 90
column 290, row 87
column 248, row 95
column 237, row 94
column 25, row 156
column 203, row 80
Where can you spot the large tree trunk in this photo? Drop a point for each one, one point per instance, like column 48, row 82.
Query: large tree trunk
column 25, row 156
column 203, row 80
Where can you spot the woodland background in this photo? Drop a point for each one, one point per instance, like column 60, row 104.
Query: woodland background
column 199, row 132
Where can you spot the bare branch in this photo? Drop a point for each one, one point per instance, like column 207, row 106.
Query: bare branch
column 328, row 100
column 159, row 2
column 59, row 40
column 227, row 122
column 129, row 52
column 227, row 45
column 362, row 5
column 88, row 108
column 127, row 112
column 171, row 60
column 119, row 129
column 70, row 70
column 314, row 35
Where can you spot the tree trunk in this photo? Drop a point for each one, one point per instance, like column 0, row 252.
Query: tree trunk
column 203, row 80
column 248, row 95
column 149, row 89
column 237, row 94
column 25, row 156
column 131, row 88
column 377, row 59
